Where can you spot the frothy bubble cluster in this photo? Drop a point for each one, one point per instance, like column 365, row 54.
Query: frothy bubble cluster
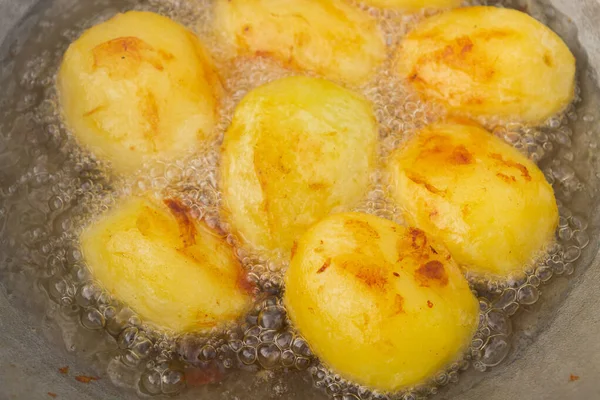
column 50, row 189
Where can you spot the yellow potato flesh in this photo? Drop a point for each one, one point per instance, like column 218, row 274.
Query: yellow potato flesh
column 297, row 149
column 489, row 204
column 413, row 5
column 379, row 303
column 138, row 87
column 488, row 61
column 176, row 273
column 329, row 37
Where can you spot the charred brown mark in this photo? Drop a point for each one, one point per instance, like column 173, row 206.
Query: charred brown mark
column 433, row 250
column 187, row 229
column 506, row 178
column 361, row 228
column 511, row 164
column 442, row 147
column 397, row 275
column 418, row 238
column 94, row 111
column 373, row 277
column 460, row 156
column 86, row 379
column 324, row 266
column 369, row 272
column 433, row 271
column 429, row 304
column 422, row 182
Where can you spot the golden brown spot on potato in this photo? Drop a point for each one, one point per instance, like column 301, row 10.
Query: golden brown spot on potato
column 458, row 55
column 371, row 274
column 433, row 250
column 149, row 110
column 122, row 57
column 461, row 156
column 511, row 164
column 243, row 283
column 418, row 238
column 94, row 110
column 246, row 28
column 294, row 248
column 372, row 277
column 319, row 249
column 325, row 265
column 474, row 100
column 397, row 275
column 398, row 304
column 422, row 182
column 318, row 186
column 187, row 228
column 465, row 44
column 361, row 228
column 429, row 304
column 263, row 53
column 506, row 178
column 465, row 210
column 433, row 271
column 165, row 55
column 548, row 60
column 489, row 34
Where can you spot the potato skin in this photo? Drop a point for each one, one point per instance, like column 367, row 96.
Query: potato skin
column 175, row 272
column 466, row 188
column 139, row 87
column 297, row 149
column 329, row 37
column 488, row 61
column 413, row 5
column 379, row 303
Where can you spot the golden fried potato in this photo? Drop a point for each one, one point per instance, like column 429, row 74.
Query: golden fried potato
column 413, row 5
column 138, row 87
column 174, row 271
column 488, row 61
column 332, row 38
column 489, row 204
column 379, row 303
column 297, row 149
